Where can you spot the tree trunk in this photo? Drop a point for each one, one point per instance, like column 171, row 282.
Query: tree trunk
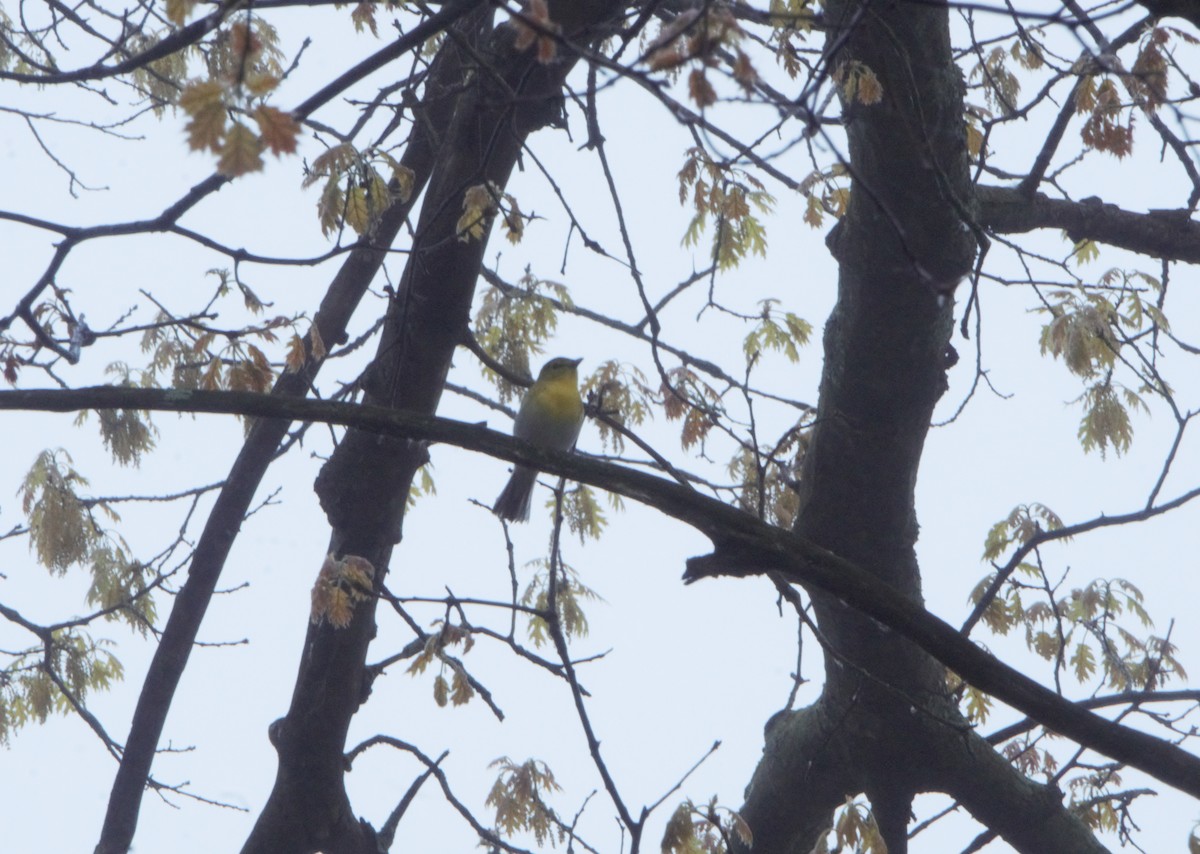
column 885, row 723
column 364, row 486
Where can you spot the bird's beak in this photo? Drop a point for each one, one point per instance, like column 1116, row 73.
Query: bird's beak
column 575, row 362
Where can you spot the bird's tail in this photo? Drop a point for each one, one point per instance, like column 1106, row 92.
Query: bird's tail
column 514, row 500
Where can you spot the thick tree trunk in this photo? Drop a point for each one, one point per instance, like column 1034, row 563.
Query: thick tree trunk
column 245, row 475
column 903, row 244
column 364, row 486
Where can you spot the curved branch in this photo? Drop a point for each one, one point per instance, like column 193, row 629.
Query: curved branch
column 181, row 38
column 744, row 546
column 1107, row 701
column 1169, row 234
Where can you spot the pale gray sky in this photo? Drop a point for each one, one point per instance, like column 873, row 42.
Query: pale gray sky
column 685, row 665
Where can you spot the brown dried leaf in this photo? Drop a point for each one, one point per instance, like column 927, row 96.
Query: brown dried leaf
column 244, row 43
column 363, row 17
column 330, row 206
column 536, row 27
column 241, row 152
column 331, row 162
column 743, row 72
column 204, row 102
column 700, row 90
column 318, row 345
column 294, row 360
column 279, row 130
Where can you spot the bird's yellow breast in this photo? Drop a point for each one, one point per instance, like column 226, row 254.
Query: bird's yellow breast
column 559, row 397
column 551, row 412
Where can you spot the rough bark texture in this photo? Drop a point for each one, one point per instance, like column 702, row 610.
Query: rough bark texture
column 1159, row 234
column 364, row 486
column 884, row 724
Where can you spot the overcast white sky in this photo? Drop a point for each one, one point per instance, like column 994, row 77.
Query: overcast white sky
column 685, row 665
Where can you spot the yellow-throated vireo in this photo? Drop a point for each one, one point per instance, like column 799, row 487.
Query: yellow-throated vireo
column 550, row 415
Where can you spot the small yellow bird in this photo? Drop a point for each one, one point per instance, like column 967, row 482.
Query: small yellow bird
column 550, row 415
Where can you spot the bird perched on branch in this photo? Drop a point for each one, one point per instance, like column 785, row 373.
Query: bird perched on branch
column 550, row 416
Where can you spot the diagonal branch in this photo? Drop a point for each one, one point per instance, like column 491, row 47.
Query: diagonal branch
column 744, row 546
column 331, row 320
column 1170, row 234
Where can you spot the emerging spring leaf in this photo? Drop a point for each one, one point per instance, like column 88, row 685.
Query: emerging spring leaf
column 119, row 583
column 1103, row 130
column 730, row 196
column 693, row 829
column 1023, row 523
column 341, row 584
column 569, row 594
column 1105, row 420
column 858, row 83
column 363, row 17
column 517, row 797
column 769, row 334
column 479, row 204
column 1148, row 80
column 28, row 693
column 1080, row 333
column 357, row 212
column 179, row 10
column 61, row 531
column 855, row 827
column 511, row 324
column 622, row 393
column 330, row 206
column 583, row 513
column 700, row 90
column 1001, row 87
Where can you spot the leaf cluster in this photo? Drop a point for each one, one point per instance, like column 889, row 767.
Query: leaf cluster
column 511, row 325
column 704, row 830
column 126, row 433
column 480, row 205
column 703, row 38
column 857, row 83
column 854, row 831
column 342, row 583
column 766, row 478
column 569, row 595
column 1001, row 87
column 457, row 690
column 1083, row 630
column 64, row 532
column 622, row 392
column 32, row 682
column 518, row 798
column 1086, row 331
column 688, row 398
column 783, row 332
column 243, row 69
column 831, row 199
column 363, row 14
column 186, row 354
column 354, row 192
column 733, row 198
